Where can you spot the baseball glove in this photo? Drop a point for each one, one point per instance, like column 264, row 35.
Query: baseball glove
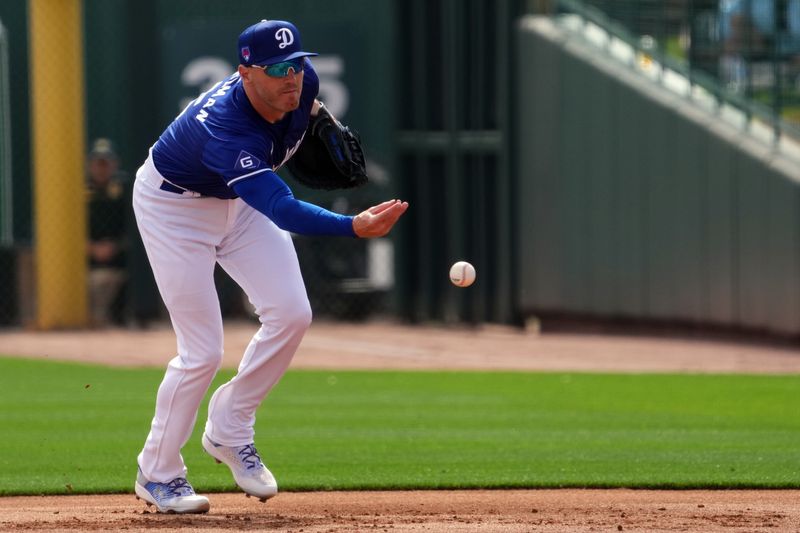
column 330, row 156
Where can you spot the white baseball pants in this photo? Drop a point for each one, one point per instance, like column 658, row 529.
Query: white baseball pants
column 184, row 237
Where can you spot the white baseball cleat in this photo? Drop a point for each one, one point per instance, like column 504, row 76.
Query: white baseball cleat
column 248, row 471
column 176, row 496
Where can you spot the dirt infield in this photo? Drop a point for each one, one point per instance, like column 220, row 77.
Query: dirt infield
column 387, row 345
column 395, row 346
column 453, row 511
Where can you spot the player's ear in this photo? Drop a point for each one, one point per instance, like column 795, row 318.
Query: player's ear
column 244, row 72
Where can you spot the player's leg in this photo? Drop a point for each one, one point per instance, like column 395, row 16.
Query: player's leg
column 261, row 258
column 180, row 235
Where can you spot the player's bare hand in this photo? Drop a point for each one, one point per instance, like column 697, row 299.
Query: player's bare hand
column 379, row 219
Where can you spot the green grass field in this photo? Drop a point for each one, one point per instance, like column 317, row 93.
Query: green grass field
column 77, row 428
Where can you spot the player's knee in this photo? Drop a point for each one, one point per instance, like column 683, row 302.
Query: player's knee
column 292, row 319
column 298, row 318
column 214, row 362
column 199, row 362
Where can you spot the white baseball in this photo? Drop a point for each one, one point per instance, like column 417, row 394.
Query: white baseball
column 462, row 274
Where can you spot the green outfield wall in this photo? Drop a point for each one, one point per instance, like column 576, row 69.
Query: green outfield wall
column 635, row 203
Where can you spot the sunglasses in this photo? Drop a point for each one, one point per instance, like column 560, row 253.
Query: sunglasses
column 281, row 70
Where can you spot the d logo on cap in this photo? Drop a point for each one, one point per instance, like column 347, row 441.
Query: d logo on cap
column 284, row 35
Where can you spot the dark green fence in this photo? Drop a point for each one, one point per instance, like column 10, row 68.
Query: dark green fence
column 8, row 297
column 15, row 188
column 6, row 186
column 454, row 144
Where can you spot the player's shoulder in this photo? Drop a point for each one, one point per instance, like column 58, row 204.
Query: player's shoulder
column 232, row 117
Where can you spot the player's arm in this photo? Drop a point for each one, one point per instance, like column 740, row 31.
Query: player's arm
column 267, row 193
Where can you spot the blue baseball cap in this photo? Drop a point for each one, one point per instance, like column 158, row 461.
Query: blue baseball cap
column 269, row 42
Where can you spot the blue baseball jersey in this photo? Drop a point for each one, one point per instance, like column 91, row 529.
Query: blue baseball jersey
column 219, row 139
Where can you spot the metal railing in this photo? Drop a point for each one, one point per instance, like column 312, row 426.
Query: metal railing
column 680, row 45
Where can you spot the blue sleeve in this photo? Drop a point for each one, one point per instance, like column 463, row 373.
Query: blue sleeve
column 267, row 193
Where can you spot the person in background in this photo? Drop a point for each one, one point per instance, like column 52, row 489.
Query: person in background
column 107, row 200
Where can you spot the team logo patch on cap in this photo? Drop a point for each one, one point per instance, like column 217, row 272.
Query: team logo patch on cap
column 247, row 161
column 246, row 53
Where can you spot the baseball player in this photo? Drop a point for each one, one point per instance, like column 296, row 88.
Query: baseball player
column 208, row 193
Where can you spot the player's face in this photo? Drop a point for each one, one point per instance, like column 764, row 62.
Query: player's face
column 275, row 96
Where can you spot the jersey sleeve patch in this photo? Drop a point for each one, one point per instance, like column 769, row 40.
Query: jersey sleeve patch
column 246, row 161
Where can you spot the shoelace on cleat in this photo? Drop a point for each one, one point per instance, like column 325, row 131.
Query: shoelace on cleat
column 180, row 487
column 250, row 456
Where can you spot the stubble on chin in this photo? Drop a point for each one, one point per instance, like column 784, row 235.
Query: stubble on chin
column 292, row 101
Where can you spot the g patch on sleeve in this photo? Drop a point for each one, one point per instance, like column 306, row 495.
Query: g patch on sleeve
column 246, row 161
